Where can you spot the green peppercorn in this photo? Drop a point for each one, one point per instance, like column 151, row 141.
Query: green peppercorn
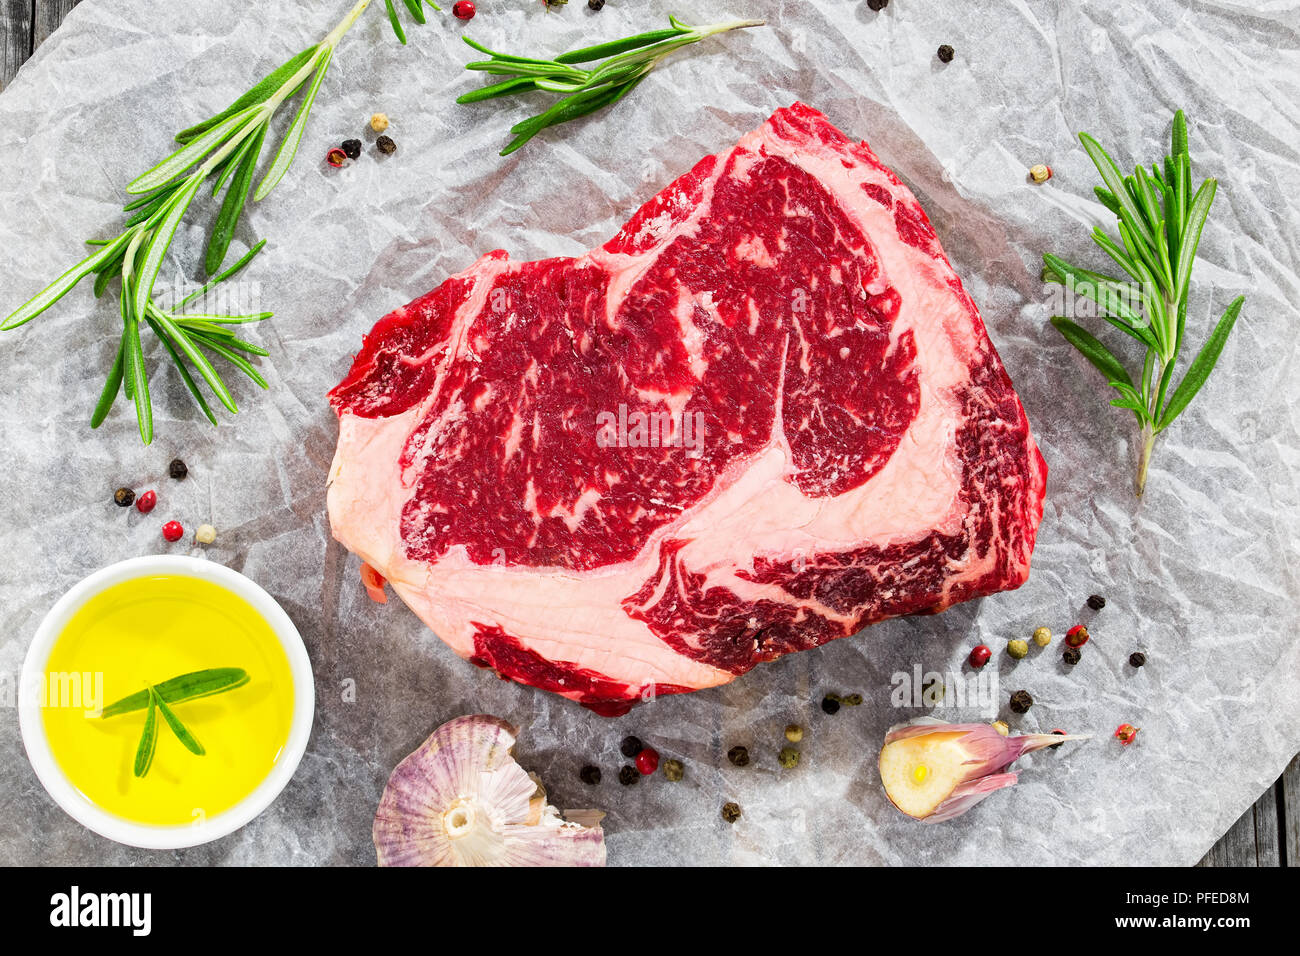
column 589, row 775
column 788, row 758
column 673, row 770
column 123, row 497
column 731, row 812
column 1137, row 659
column 1072, row 655
column 1021, row 702
column 851, row 700
column 628, row 775
column 1042, row 636
column 793, row 733
column 830, row 704
column 1018, row 649
column 739, row 756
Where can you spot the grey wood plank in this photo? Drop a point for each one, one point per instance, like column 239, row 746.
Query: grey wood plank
column 1267, row 832
column 1237, row 847
column 15, row 37
column 1291, row 814
column 49, row 14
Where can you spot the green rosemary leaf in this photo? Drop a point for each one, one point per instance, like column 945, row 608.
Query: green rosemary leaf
column 234, row 358
column 182, row 732
column 175, row 165
column 614, row 47
column 1178, row 135
column 393, row 19
column 505, row 56
column 570, row 108
column 224, row 229
column 504, row 88
column 1106, row 293
column 138, row 376
column 207, row 287
column 179, row 361
column 1202, row 365
column 289, row 145
column 236, row 159
column 1197, row 214
column 60, row 286
column 1117, row 254
column 148, row 741
column 1107, row 199
column 111, row 387
column 102, row 280
column 222, row 336
column 192, row 686
column 417, row 11
column 259, row 94
column 186, row 317
column 156, row 249
column 1114, row 181
column 182, row 341
column 1092, row 350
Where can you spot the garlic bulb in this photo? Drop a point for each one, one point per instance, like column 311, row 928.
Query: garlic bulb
column 461, row 800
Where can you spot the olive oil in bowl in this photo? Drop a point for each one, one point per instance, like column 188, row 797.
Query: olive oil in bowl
column 143, row 631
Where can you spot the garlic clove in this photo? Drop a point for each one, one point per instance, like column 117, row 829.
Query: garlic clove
column 461, row 800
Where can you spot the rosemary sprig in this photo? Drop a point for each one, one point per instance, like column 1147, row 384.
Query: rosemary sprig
column 626, row 63
column 1160, row 221
column 156, row 699
column 226, row 148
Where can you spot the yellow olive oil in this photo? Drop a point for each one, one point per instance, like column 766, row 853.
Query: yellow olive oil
column 145, row 631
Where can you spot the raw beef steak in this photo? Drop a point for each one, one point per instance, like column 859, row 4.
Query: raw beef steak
column 762, row 416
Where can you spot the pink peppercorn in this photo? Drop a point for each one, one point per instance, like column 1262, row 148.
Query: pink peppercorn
column 463, row 10
column 145, row 503
column 647, row 761
column 173, row 531
column 979, row 656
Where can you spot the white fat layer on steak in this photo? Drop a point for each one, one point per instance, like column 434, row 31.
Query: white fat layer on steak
column 578, row 617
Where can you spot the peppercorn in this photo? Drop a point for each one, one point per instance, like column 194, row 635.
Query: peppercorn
column 1137, row 659
column 336, row 157
column 352, row 147
column 1126, row 733
column 595, row 5
column 739, row 756
column 877, row 5
column 979, row 656
column 1096, row 602
column 851, row 700
column 463, row 10
column 631, row 746
column 1042, row 636
column 1001, row 727
column 146, row 502
column 1040, row 173
column 1021, row 702
column 173, row 531
column 1072, row 656
column 205, row 534
column 830, row 704
column 1018, row 649
column 793, row 733
column 628, row 775
column 379, row 122
column 673, row 770
column 647, row 761
column 386, row 145
column 731, row 812
column 177, row 469
column 946, row 53
column 1059, row 733
column 589, row 775
column 788, row 758
column 123, row 497
column 1077, row 636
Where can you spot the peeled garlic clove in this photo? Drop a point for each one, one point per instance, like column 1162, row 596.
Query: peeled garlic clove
column 461, row 800
column 934, row 771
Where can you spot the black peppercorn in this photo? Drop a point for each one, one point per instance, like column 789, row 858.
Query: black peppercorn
column 628, row 775
column 1021, row 702
column 177, row 469
column 589, row 775
column 352, row 147
column 830, row 704
column 1096, row 602
column 739, row 756
column 123, row 497
column 877, row 5
column 1072, row 656
column 386, row 145
column 731, row 812
column 946, row 53
column 1059, row 733
column 631, row 746
column 595, row 4
column 1137, row 659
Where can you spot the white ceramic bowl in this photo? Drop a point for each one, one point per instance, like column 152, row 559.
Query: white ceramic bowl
column 140, row 834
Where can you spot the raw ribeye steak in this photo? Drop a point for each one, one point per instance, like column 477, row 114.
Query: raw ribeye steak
column 762, row 416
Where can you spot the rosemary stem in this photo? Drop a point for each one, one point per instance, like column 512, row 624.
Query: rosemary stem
column 1144, row 456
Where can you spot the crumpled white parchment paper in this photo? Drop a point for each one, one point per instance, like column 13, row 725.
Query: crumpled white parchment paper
column 1201, row 574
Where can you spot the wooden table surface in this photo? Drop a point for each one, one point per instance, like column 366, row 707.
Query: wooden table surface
column 1268, row 834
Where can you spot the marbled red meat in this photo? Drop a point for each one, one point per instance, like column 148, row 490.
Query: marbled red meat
column 761, row 417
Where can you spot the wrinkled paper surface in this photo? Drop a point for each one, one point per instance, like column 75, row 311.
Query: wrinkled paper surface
column 1201, row 574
